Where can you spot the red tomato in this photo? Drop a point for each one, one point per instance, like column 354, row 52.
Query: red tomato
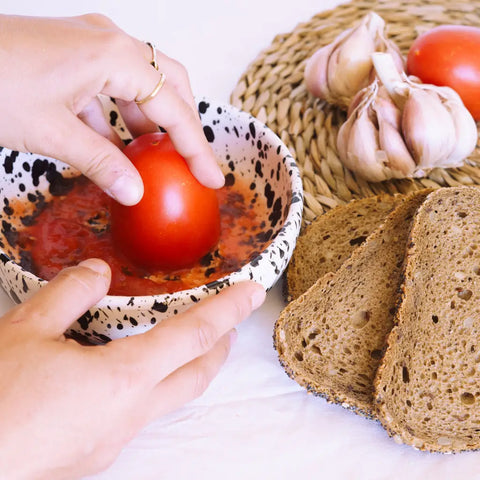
column 177, row 221
column 449, row 55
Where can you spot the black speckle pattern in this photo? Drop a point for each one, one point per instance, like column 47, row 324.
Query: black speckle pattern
column 229, row 179
column 161, row 307
column 9, row 161
column 208, row 131
column 14, row 296
column 113, row 118
column 251, row 127
column 203, row 107
column 85, row 320
column 259, row 168
column 245, row 148
column 269, row 195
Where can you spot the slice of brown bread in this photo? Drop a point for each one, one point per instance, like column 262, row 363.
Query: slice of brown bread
column 331, row 238
column 428, row 387
column 331, row 339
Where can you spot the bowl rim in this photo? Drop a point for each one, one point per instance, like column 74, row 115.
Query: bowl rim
column 295, row 209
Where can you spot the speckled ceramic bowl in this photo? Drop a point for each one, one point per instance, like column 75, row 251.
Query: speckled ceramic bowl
column 244, row 148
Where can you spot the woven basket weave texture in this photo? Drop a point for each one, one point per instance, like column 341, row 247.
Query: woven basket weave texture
column 272, row 89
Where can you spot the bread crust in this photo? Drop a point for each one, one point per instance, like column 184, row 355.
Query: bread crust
column 331, row 339
column 331, row 238
column 426, row 389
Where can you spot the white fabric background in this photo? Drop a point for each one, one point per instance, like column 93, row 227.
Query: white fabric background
column 253, row 422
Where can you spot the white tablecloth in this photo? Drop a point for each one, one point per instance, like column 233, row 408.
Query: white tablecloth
column 253, row 422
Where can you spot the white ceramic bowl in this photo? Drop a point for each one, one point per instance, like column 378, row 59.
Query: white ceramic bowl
column 244, row 147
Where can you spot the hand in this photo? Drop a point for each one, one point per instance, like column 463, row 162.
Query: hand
column 52, row 71
column 66, row 410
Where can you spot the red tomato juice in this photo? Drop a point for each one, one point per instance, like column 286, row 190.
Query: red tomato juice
column 74, row 227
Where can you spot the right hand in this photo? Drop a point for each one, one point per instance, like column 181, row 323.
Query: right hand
column 54, row 69
column 66, row 410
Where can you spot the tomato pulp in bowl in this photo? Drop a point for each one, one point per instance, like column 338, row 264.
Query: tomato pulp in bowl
column 75, row 226
column 251, row 156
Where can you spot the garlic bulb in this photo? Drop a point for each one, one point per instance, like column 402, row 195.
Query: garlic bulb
column 398, row 128
column 339, row 70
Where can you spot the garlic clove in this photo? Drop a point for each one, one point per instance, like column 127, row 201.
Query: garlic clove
column 339, row 70
column 360, row 102
column 316, row 68
column 316, row 72
column 466, row 132
column 428, row 128
column 350, row 65
column 384, row 107
column 390, row 138
column 362, row 149
column 375, row 25
column 393, row 50
column 390, row 47
column 399, row 160
column 356, row 100
column 392, row 79
column 465, row 127
column 343, row 136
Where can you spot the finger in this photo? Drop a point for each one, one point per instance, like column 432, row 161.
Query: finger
column 65, row 298
column 96, row 157
column 168, row 109
column 178, row 78
column 94, row 116
column 178, row 340
column 135, row 121
column 190, row 381
column 175, row 72
column 173, row 113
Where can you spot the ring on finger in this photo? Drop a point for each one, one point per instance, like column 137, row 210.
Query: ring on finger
column 153, row 63
column 154, row 92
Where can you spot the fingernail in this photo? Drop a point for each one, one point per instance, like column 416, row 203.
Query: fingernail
column 97, row 265
column 216, row 178
column 125, row 190
column 219, row 178
column 233, row 334
column 258, row 297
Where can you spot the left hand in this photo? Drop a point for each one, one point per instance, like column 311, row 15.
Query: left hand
column 67, row 410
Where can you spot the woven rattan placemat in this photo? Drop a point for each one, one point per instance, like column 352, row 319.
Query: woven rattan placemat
column 273, row 90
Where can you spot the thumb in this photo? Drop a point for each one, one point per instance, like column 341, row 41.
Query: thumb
column 65, row 298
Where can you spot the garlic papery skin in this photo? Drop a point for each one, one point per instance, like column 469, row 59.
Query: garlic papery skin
column 398, row 128
column 386, row 108
column 437, row 128
column 336, row 72
column 349, row 65
column 390, row 140
column 466, row 130
column 428, row 128
column 369, row 143
column 362, row 148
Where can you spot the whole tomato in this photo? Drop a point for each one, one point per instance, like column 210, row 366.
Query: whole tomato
column 449, row 55
column 177, row 221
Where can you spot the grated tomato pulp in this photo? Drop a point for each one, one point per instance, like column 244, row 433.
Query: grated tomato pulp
column 75, row 226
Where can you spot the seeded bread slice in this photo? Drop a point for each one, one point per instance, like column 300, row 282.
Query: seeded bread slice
column 428, row 387
column 331, row 238
column 331, row 339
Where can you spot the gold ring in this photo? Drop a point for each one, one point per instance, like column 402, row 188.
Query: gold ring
column 153, row 63
column 154, row 91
